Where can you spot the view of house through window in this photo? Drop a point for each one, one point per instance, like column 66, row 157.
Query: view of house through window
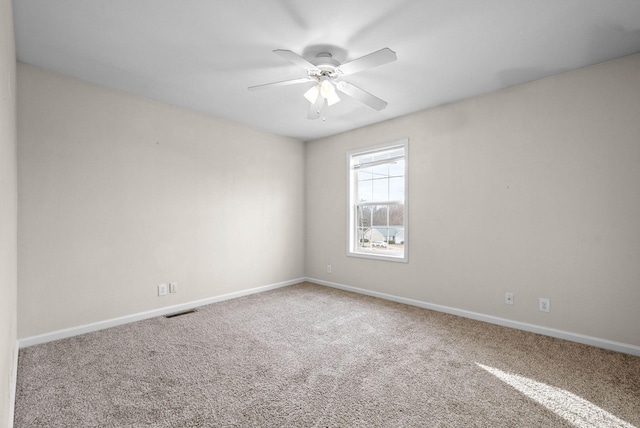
column 377, row 219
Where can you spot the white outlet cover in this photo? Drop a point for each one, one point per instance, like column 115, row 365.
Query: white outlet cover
column 173, row 287
column 508, row 298
column 544, row 305
column 162, row 289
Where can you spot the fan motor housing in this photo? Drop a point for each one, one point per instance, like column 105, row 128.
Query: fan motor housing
column 327, row 66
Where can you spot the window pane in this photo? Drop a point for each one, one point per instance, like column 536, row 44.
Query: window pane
column 396, row 189
column 380, row 215
column 381, row 171
column 380, row 229
column 365, row 191
column 380, row 190
column 396, row 215
column 362, row 241
column 365, row 174
column 397, row 168
column 363, row 217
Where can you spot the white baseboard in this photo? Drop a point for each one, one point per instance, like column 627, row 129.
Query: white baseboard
column 88, row 328
column 14, row 386
column 560, row 334
column 573, row 337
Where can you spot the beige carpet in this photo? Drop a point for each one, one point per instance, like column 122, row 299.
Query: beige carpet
column 310, row 356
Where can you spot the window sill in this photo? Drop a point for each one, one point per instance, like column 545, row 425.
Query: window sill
column 381, row 257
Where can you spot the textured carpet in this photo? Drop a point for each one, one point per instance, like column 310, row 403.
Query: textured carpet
column 311, row 356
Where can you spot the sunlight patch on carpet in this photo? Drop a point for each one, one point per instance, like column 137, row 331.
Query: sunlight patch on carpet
column 571, row 407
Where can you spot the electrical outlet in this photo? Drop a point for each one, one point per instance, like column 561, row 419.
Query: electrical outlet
column 508, row 298
column 544, row 305
column 329, row 269
column 162, row 289
column 173, row 287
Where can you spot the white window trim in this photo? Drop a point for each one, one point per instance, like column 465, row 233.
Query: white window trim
column 351, row 205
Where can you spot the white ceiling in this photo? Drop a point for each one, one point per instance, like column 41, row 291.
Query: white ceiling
column 203, row 54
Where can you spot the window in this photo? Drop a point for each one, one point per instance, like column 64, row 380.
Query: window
column 378, row 202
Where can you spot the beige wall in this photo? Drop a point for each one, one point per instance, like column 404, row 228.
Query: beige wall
column 533, row 190
column 119, row 193
column 8, row 213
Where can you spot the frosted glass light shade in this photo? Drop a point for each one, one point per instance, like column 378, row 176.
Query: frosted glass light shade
column 312, row 94
column 332, row 98
column 328, row 91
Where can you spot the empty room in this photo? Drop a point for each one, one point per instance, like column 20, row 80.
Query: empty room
column 397, row 213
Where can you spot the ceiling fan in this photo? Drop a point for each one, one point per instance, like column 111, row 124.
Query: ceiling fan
column 325, row 72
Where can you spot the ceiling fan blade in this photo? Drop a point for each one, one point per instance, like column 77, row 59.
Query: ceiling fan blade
column 361, row 95
column 315, row 109
column 374, row 59
column 295, row 58
column 283, row 83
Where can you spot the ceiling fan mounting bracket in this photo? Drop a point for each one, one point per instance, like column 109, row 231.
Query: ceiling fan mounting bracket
column 326, row 66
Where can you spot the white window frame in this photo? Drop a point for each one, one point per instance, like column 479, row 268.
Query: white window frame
column 352, row 191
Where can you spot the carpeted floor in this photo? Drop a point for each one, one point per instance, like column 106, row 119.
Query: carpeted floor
column 311, row 356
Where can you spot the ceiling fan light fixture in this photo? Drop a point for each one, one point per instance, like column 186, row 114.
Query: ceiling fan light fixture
column 312, row 94
column 328, row 91
column 332, row 98
column 324, row 72
column 326, row 88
